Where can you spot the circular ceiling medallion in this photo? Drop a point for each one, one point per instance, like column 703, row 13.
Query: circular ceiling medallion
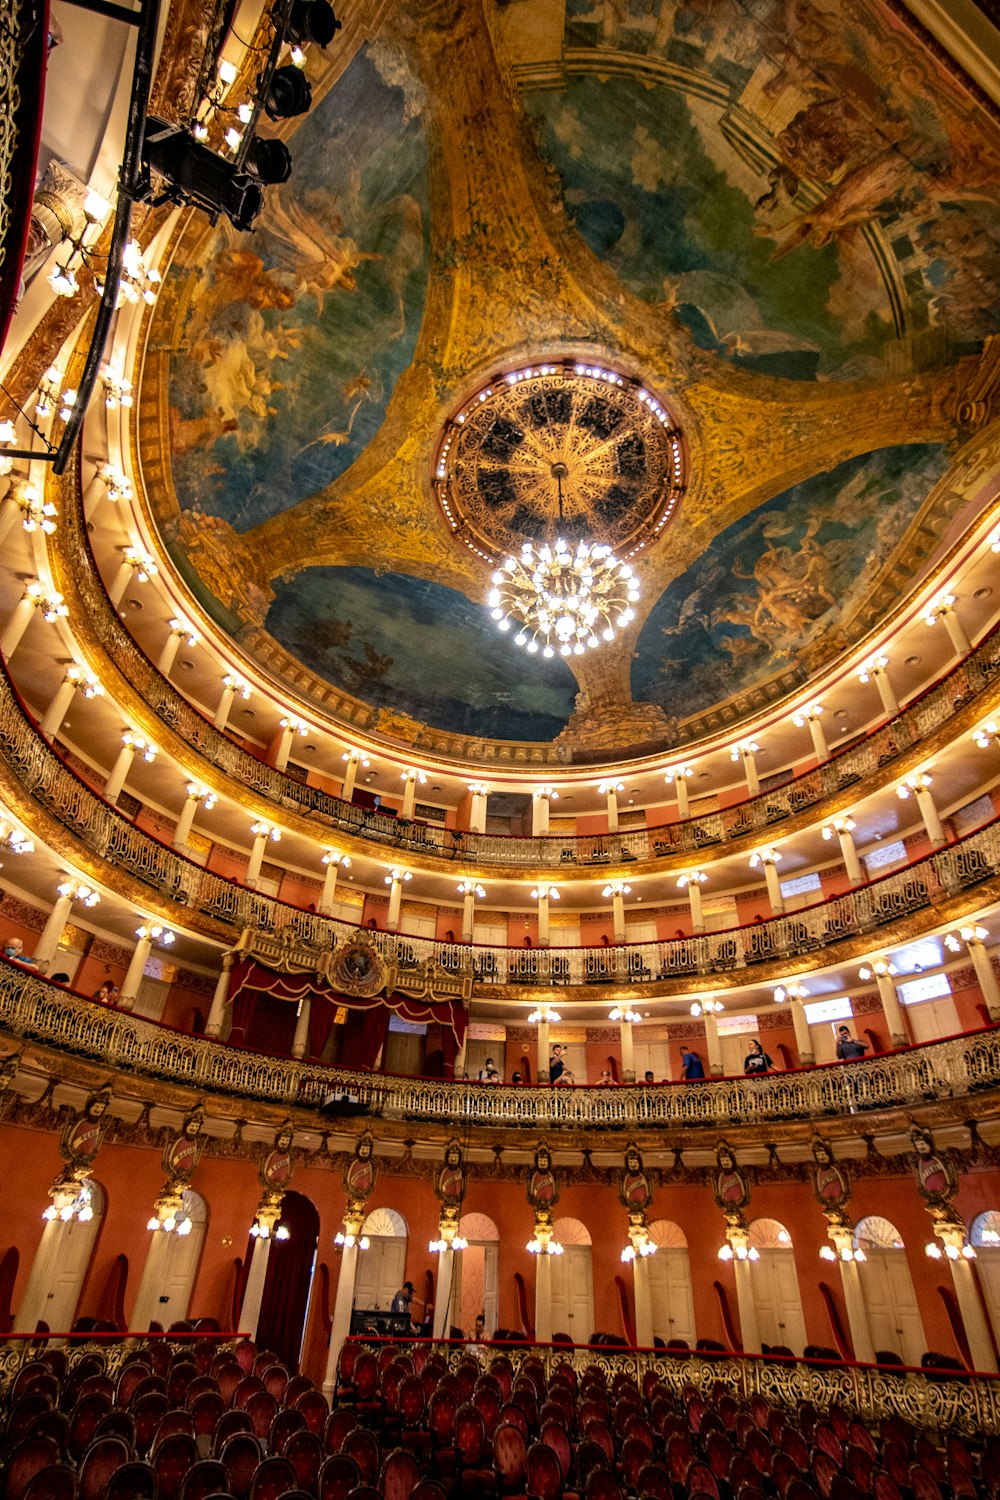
column 569, row 448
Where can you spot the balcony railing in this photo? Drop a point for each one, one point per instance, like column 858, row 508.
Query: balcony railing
column 693, row 836
column 32, row 1010
column 105, row 833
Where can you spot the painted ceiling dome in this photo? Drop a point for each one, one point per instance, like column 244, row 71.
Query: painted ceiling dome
column 781, row 214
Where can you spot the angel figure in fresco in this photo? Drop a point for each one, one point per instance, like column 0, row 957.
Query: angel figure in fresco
column 84, row 1132
column 182, row 1152
column 732, row 1192
column 277, row 1163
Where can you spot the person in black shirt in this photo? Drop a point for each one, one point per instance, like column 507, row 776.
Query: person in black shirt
column 848, row 1047
column 757, row 1060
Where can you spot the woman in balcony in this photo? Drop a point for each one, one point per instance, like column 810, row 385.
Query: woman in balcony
column 757, row 1060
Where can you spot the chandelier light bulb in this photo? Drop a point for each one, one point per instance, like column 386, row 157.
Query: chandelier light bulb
column 562, row 599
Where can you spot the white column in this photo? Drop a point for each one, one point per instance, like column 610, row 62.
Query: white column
column 477, row 809
column 543, row 894
column 744, row 753
column 301, row 1039
column 882, row 969
column 35, row 597
column 334, row 863
column 445, row 1287
column 354, row 759
column 262, row 832
column 231, row 686
column 542, row 1056
column 678, row 778
column 148, row 934
column 135, row 564
column 131, row 744
column 136, row 968
column 768, row 859
column 692, row 881
column 803, row 1037
column 458, row 1067
column 973, row 937
column 854, row 1297
column 713, row 1046
column 341, row 1325
column 469, row 890
column 747, row 1305
column 945, row 610
column 617, row 890
column 254, row 1293
column 213, row 1025
column 48, row 944
column 35, row 1296
column 59, row 706
column 195, row 795
column 290, row 727
column 540, row 799
column 875, row 671
column 643, row 1302
column 919, row 784
column 9, row 510
column 811, row 716
column 970, row 1305
column 611, row 790
column 395, row 880
column 411, row 779
column 543, row 1299
column 844, row 828
column 179, row 631
column 627, row 1047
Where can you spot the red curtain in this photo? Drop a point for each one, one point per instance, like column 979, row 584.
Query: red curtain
column 244, row 1005
column 364, row 1034
column 286, row 1286
column 321, row 1017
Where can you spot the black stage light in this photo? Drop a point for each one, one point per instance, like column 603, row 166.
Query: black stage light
column 312, row 21
column 200, row 176
column 290, row 94
column 269, row 161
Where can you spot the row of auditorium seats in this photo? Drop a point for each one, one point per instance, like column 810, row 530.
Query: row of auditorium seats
column 215, row 1421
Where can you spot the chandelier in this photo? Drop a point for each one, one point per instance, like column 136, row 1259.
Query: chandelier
column 563, row 598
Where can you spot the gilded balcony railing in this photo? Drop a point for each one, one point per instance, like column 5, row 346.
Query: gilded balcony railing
column 32, row 1010
column 107, row 834
column 692, row 836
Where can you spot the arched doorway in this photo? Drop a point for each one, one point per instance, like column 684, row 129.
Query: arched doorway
column 984, row 1236
column 382, row 1267
column 288, row 1284
column 573, row 1281
column 61, row 1263
column 477, row 1274
column 670, row 1293
column 775, row 1284
column 168, row 1276
column 887, row 1287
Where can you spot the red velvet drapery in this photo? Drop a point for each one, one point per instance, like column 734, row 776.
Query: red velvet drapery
column 286, row 1285
column 368, row 1018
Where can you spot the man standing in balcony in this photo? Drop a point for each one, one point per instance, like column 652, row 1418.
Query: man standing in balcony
column 849, row 1048
column 692, row 1066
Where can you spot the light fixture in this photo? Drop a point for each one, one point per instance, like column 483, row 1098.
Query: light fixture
column 872, row 667
column 793, row 990
column 154, row 933
column 468, row 888
column 610, row 786
column 289, row 94
column 312, row 21
column 143, row 565
column 543, row 1014
column 266, row 831
column 331, row 857
column 811, row 712
column 878, row 968
column 646, row 1248
column 967, row 935
column 941, row 608
column 560, row 597
column 625, row 1013
column 677, row 773
column 918, row 782
column 397, row 876
column 68, row 1205
column 839, row 825
column 706, row 1006
column 691, row 877
column 987, row 734
column 547, row 1247
column 117, row 390
column 187, row 632
column 741, row 1252
column 545, row 893
column 348, row 1241
column 845, row 1253
column 75, row 890
column 764, row 857
column 13, row 838
column 743, row 749
column 37, row 514
column 236, row 686
column 616, row 888
column 438, row 1247
column 199, row 176
column 357, row 758
column 949, row 1251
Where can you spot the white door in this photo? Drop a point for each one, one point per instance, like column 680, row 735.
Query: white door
column 893, row 1314
column 671, row 1297
column 151, row 997
column 573, row 1293
column 475, row 1286
column 168, row 1276
column 652, row 1057
column 934, row 1018
column 824, row 1041
column 59, row 1269
column 776, row 1295
column 381, row 1271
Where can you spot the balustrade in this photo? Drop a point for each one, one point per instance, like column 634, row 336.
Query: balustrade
column 31, row 1009
column 691, row 836
column 108, row 835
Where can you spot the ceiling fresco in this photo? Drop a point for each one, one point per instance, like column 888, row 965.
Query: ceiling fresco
column 770, row 585
column 289, row 342
column 419, row 648
column 774, row 172
column 777, row 215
